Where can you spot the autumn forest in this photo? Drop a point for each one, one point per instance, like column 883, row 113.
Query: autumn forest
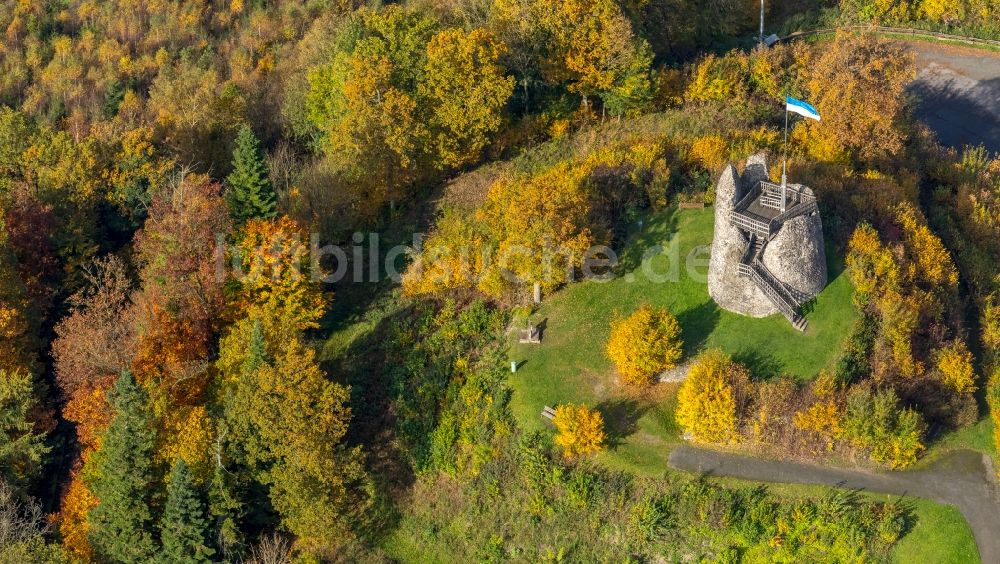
column 181, row 379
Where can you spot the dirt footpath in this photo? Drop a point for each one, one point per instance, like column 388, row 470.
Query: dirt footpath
column 958, row 91
column 961, row 478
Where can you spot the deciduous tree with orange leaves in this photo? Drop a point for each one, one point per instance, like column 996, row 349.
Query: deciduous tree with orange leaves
column 97, row 339
column 181, row 296
column 858, row 84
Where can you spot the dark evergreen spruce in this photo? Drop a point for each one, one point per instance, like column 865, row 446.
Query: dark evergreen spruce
column 249, row 193
column 122, row 523
column 185, row 527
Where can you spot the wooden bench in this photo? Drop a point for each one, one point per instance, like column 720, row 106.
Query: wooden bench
column 548, row 413
column 691, row 205
column 531, row 335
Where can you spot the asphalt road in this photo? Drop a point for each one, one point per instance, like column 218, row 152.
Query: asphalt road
column 961, row 478
column 958, row 92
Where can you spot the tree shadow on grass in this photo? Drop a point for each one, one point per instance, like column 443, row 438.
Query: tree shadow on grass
column 697, row 323
column 835, row 265
column 621, row 418
column 655, row 230
column 761, row 364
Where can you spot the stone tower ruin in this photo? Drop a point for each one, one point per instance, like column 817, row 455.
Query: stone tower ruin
column 766, row 257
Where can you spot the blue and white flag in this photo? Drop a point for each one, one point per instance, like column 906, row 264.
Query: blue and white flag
column 801, row 108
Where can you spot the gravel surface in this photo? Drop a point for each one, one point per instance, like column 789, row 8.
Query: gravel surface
column 958, row 91
column 962, row 478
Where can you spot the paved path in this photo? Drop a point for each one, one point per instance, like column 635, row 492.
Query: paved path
column 958, row 92
column 961, row 478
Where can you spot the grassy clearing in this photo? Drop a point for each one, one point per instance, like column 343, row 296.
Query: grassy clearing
column 977, row 437
column 570, row 364
column 940, row 534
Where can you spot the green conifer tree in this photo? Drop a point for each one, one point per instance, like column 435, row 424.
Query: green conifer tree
column 257, row 349
column 21, row 448
column 184, row 529
column 250, row 194
column 121, row 475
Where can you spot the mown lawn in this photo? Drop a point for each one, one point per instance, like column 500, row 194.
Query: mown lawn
column 977, row 437
column 940, row 534
column 570, row 364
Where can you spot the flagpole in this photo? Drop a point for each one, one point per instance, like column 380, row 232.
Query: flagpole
column 761, row 22
column 784, row 161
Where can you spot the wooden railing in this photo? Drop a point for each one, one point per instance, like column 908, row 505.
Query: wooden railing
column 747, row 198
column 783, row 305
column 771, row 201
column 794, row 190
column 775, row 289
column 798, row 297
column 796, row 210
column 749, row 252
column 755, row 226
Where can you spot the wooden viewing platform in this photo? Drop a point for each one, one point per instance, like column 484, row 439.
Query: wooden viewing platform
column 758, row 216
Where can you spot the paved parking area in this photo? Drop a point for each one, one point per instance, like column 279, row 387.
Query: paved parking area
column 958, row 91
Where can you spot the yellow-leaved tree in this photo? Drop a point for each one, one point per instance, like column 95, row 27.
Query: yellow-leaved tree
column 954, row 367
column 595, row 50
column 644, row 344
column 930, row 262
column 287, row 420
column 823, row 419
column 858, row 83
column 467, row 90
column 943, row 11
column 541, row 225
column 277, row 273
column 581, row 430
column 711, row 399
column 871, row 265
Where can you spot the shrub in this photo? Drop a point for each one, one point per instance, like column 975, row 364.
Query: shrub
column 855, row 363
column 718, row 79
column 993, row 399
column 954, row 367
column 709, row 151
column 870, row 264
column 876, row 423
column 581, row 430
column 710, row 400
column 644, row 344
column 823, row 418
